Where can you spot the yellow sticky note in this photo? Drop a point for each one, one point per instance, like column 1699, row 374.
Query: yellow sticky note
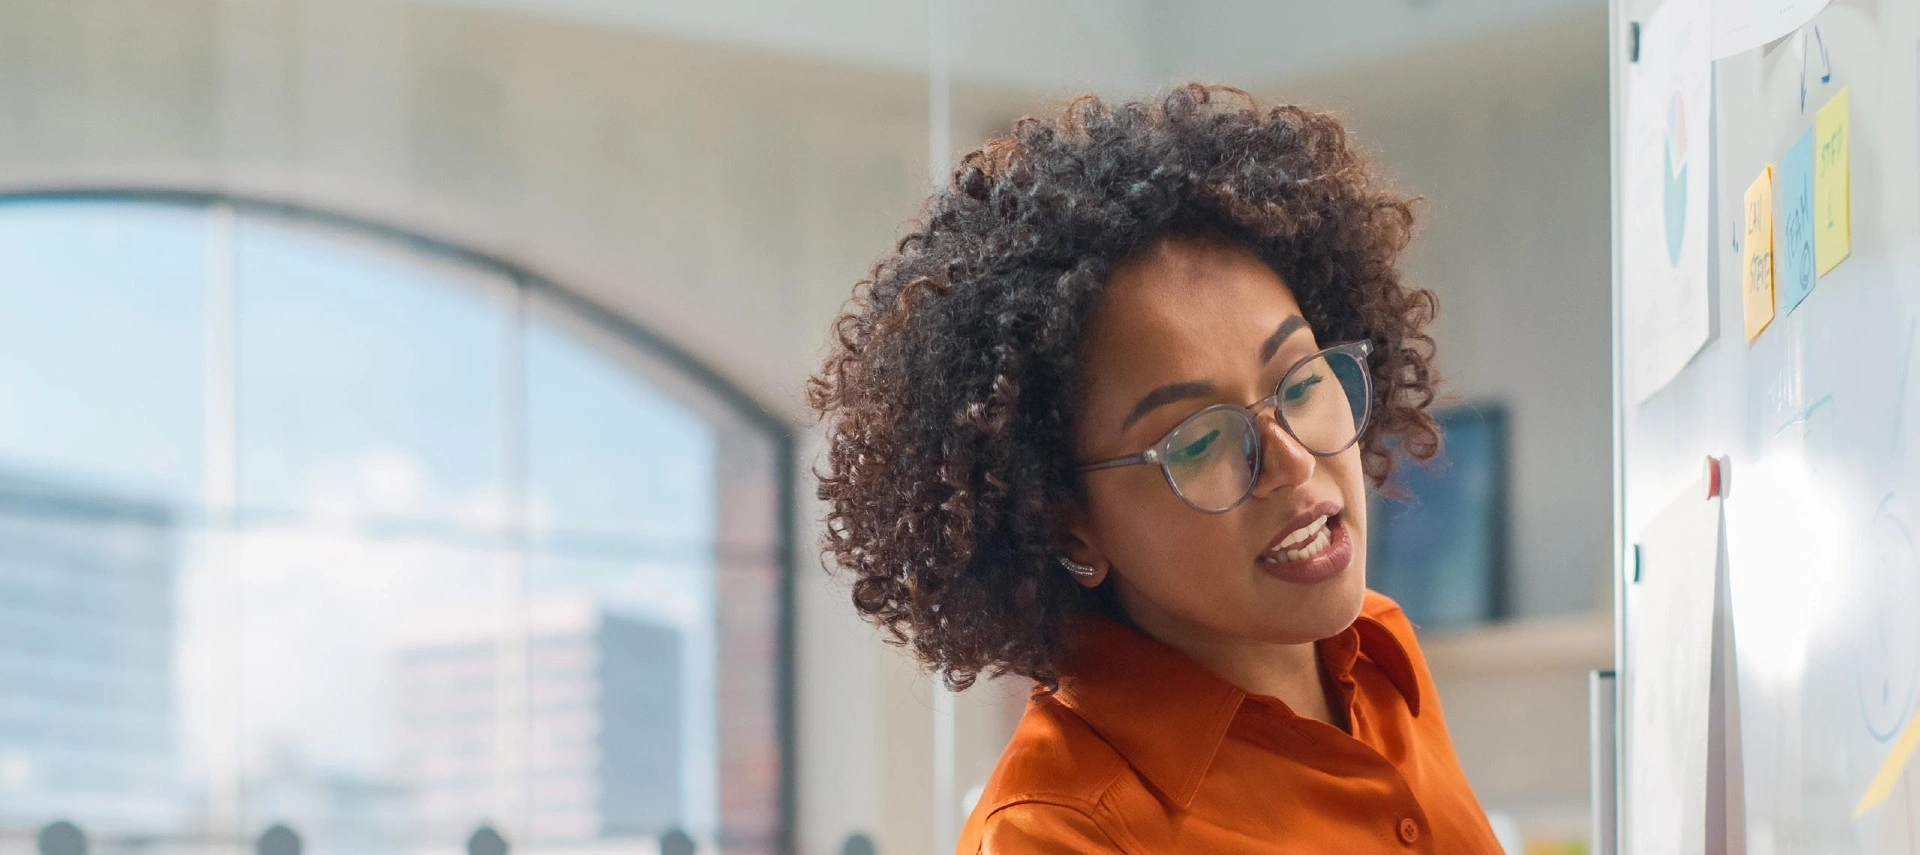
column 1832, row 190
column 1890, row 770
column 1756, row 291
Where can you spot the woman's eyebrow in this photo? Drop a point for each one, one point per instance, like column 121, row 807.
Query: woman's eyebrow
column 1293, row 324
column 1199, row 388
column 1166, row 395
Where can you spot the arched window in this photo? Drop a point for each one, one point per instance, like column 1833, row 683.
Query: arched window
column 309, row 522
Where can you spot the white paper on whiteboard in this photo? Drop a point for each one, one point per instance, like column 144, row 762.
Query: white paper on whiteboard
column 1664, row 289
column 1740, row 25
column 1669, row 670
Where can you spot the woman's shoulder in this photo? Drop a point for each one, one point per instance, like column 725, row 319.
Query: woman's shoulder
column 1050, row 783
column 1054, row 754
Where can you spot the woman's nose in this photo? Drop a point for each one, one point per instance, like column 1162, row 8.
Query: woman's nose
column 1284, row 462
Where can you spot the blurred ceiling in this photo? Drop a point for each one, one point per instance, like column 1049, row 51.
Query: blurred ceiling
column 1124, row 45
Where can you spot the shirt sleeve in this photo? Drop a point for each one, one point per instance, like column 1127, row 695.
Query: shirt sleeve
column 1030, row 828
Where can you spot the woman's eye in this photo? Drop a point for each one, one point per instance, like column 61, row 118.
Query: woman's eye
column 1298, row 392
column 1196, row 448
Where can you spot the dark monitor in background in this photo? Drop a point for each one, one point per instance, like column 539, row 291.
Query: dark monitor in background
column 1440, row 547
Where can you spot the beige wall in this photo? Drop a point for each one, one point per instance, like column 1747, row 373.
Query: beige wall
column 727, row 199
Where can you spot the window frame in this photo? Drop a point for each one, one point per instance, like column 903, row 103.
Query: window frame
column 692, row 383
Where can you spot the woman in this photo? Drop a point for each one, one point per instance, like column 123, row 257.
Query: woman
column 1105, row 420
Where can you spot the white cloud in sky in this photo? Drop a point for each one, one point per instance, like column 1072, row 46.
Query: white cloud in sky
column 302, row 620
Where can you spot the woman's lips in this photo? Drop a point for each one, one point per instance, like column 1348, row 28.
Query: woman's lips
column 1329, row 562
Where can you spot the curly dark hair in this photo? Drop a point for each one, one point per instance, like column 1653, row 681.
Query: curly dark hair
column 953, row 382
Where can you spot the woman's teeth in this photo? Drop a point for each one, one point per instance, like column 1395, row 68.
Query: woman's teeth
column 1302, row 544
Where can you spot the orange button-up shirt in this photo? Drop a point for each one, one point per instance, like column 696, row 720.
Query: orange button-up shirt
column 1143, row 750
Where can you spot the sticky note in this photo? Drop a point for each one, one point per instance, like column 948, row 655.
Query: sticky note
column 1793, row 269
column 1756, row 291
column 1832, row 225
column 1889, row 775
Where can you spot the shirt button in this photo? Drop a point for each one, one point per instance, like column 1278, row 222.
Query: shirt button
column 1409, row 831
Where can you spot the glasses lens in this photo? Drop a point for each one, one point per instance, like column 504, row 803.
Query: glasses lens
column 1210, row 458
column 1324, row 401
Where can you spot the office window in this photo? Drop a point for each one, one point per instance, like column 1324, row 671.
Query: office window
column 310, row 523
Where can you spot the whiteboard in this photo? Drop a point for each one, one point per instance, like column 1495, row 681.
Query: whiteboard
column 1819, row 418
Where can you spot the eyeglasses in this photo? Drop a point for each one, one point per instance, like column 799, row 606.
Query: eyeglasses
column 1212, row 457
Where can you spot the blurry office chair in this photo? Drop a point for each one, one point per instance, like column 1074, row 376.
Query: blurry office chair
column 676, row 842
column 277, row 840
column 62, row 838
column 486, row 841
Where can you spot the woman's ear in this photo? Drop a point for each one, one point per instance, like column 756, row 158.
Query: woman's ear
column 1077, row 548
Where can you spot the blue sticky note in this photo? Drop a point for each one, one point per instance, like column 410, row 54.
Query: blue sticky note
column 1794, row 275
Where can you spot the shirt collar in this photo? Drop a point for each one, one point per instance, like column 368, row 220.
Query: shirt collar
column 1167, row 714
column 1374, row 640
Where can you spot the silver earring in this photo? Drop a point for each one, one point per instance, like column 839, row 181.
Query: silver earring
column 1076, row 568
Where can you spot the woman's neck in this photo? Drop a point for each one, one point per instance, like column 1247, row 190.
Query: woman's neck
column 1289, row 672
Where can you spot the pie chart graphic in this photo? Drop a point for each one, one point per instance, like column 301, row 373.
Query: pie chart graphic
column 1888, row 658
column 1674, row 178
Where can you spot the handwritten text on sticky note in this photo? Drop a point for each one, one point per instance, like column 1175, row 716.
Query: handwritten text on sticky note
column 1832, row 227
column 1756, row 292
column 1793, row 269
